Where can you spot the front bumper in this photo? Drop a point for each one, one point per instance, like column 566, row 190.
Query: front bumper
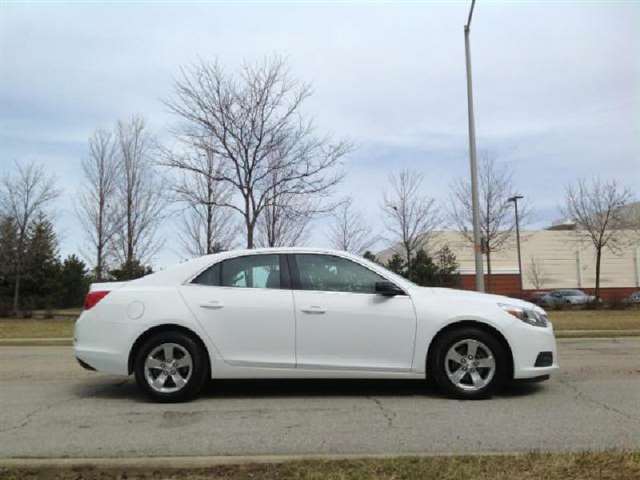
column 527, row 343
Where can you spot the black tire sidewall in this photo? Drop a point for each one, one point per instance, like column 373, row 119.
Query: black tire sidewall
column 198, row 375
column 443, row 345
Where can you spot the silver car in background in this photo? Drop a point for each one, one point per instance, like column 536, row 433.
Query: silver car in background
column 556, row 298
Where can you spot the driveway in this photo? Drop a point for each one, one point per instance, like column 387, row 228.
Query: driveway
column 50, row 407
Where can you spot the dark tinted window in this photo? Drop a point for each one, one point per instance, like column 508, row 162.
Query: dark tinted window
column 253, row 271
column 211, row 276
column 335, row 274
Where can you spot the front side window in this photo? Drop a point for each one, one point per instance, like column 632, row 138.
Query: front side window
column 253, row 271
column 335, row 274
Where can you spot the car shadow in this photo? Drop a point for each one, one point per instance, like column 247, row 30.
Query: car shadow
column 292, row 388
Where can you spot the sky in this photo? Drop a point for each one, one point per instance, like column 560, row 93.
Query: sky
column 556, row 86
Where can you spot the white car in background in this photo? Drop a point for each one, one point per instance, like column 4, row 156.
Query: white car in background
column 306, row 313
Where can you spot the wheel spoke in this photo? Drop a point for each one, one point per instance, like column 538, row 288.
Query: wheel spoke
column 488, row 362
column 183, row 362
column 476, row 378
column 159, row 381
column 178, row 380
column 154, row 363
column 472, row 348
column 168, row 353
column 455, row 356
column 458, row 375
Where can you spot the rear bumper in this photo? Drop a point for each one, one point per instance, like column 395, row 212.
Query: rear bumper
column 103, row 345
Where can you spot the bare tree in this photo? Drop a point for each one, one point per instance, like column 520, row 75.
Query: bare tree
column 253, row 123
column 349, row 231
column 96, row 207
column 536, row 273
column 596, row 207
column 497, row 221
column 206, row 227
column 412, row 218
column 140, row 195
column 23, row 196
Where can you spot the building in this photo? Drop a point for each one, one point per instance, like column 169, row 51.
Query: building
column 553, row 258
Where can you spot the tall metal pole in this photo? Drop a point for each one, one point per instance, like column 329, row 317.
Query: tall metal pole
column 515, row 199
column 477, row 240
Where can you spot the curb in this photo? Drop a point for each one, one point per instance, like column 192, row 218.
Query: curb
column 596, row 333
column 35, row 342
column 196, row 462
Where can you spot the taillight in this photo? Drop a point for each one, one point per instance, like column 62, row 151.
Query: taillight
column 94, row 297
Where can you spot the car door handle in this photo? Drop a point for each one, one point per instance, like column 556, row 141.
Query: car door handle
column 212, row 305
column 314, row 309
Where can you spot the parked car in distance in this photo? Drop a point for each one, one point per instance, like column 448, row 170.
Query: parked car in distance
column 633, row 299
column 556, row 298
column 306, row 313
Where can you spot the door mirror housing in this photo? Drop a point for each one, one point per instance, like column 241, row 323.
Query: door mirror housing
column 388, row 289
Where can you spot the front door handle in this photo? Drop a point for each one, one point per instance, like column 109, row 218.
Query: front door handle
column 212, row 305
column 314, row 309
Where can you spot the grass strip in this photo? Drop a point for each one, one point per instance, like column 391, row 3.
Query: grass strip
column 566, row 466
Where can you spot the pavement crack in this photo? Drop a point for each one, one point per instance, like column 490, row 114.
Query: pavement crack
column 387, row 413
column 579, row 394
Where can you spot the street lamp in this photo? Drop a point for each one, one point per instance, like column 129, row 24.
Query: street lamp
column 515, row 199
column 477, row 241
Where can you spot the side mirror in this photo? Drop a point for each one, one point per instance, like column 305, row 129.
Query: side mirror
column 388, row 289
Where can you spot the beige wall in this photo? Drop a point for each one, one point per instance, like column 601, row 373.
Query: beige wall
column 560, row 255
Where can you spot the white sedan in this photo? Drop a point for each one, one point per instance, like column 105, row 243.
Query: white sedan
column 306, row 313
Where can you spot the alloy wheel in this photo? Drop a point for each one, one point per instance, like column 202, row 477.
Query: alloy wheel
column 168, row 368
column 470, row 365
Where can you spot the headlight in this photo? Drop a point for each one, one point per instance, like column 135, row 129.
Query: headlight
column 527, row 315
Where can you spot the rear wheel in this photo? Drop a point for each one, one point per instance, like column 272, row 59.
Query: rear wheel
column 469, row 363
column 171, row 367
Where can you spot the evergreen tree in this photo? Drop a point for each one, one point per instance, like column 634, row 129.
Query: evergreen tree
column 130, row 270
column 73, row 282
column 370, row 256
column 8, row 249
column 42, row 266
column 396, row 264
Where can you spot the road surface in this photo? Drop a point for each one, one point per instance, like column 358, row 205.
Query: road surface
column 50, row 407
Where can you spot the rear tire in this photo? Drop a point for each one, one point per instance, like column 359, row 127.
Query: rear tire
column 171, row 367
column 469, row 363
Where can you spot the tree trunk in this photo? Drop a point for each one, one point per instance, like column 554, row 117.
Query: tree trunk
column 249, row 235
column 488, row 270
column 598, row 258
column 16, row 293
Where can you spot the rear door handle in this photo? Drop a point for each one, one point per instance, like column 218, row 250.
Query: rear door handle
column 212, row 305
column 314, row 309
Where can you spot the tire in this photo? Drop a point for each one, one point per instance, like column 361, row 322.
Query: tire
column 479, row 377
column 161, row 377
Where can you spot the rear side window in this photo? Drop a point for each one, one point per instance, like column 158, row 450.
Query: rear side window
column 251, row 271
column 211, row 276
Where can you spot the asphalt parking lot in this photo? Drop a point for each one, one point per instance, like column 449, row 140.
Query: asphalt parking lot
column 50, row 407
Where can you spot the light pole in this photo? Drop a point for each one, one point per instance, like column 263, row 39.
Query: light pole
column 515, row 199
column 477, row 246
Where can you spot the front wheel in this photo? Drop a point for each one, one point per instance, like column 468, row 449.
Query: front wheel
column 469, row 363
column 171, row 367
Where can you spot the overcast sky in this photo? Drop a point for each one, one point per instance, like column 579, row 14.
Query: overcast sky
column 557, row 86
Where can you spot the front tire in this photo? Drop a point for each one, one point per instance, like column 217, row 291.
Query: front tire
column 171, row 367
column 469, row 363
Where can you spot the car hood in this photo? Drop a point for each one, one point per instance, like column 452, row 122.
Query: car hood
column 479, row 297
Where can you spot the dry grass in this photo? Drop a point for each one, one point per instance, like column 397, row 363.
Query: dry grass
column 569, row 466
column 31, row 328
column 596, row 319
